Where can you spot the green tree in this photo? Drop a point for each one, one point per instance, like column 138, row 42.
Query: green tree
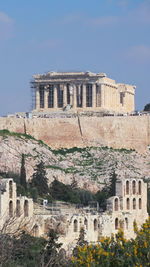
column 112, row 184
column 117, row 251
column 147, row 107
column 39, row 180
column 50, row 256
column 23, row 181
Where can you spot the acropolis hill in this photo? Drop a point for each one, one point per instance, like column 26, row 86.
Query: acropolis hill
column 69, row 108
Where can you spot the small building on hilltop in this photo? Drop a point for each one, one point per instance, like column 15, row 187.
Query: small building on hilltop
column 129, row 205
column 81, row 91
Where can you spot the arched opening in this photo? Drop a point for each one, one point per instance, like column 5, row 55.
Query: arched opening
column 10, row 189
column 95, row 225
column 75, row 225
column 116, row 204
column 36, row 230
column 116, row 223
column 134, row 187
column 140, row 187
column 26, row 208
column 128, row 203
column 10, row 208
column 134, row 203
column 140, row 203
column 127, row 187
column 18, row 208
column 126, row 223
column 86, row 223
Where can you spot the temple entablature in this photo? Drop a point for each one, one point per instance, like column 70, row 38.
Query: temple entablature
column 83, row 91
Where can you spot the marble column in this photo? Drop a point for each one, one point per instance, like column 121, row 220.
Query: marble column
column 65, row 95
column 75, row 97
column 102, row 95
column 94, row 95
column 84, row 96
column 37, row 98
column 46, row 97
column 71, row 94
column 55, row 96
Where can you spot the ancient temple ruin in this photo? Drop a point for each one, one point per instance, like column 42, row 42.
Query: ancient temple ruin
column 81, row 91
column 127, row 206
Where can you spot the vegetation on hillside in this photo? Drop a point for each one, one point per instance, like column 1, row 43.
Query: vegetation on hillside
column 28, row 251
column 117, row 251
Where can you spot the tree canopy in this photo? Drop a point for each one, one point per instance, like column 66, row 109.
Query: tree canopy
column 147, row 107
column 39, row 179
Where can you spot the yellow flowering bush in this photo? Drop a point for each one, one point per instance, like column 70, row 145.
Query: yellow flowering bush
column 117, row 251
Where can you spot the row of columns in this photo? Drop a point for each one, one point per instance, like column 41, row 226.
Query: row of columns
column 73, row 96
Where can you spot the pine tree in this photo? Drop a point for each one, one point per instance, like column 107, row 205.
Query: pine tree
column 23, row 181
column 40, row 180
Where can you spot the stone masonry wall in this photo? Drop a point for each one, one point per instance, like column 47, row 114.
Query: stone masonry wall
column 117, row 132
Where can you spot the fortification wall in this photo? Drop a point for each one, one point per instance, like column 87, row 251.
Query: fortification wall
column 117, row 132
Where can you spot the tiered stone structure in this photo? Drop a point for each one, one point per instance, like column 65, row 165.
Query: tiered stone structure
column 15, row 211
column 81, row 91
column 127, row 206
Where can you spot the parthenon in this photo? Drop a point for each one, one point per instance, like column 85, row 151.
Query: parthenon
column 83, row 91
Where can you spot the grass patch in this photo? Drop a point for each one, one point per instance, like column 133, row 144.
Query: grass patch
column 54, row 167
column 6, row 132
column 64, row 151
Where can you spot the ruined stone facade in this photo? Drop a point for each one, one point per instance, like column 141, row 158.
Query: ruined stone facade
column 128, row 205
column 14, row 210
column 82, row 91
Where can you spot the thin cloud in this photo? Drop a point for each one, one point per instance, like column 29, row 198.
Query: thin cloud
column 5, row 18
column 103, row 21
column 50, row 44
column 140, row 53
column 6, row 26
column 141, row 14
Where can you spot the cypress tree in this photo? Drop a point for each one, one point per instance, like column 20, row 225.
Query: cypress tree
column 39, row 179
column 112, row 180
column 23, row 181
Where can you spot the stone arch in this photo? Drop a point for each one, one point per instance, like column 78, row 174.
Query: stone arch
column 134, row 187
column 10, row 189
column 134, row 203
column 18, row 208
column 26, row 208
column 35, row 230
column 127, row 187
column 86, row 223
column 140, row 203
column 139, row 187
column 116, row 204
column 128, row 204
column 10, row 208
column 116, row 223
column 75, row 225
column 95, row 225
column 126, row 223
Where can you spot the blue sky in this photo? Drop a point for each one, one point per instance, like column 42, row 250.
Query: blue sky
column 36, row 36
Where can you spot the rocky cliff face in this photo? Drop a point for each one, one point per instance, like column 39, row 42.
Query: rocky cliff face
column 91, row 166
column 131, row 132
